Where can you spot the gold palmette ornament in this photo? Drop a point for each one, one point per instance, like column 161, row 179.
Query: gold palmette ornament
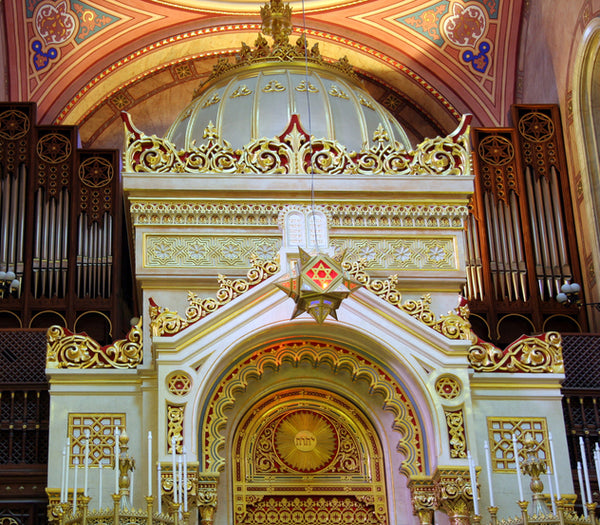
column 319, row 287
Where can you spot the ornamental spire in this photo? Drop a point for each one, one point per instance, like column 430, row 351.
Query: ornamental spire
column 277, row 21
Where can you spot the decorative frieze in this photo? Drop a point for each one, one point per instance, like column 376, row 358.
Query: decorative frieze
column 401, row 253
column 192, row 251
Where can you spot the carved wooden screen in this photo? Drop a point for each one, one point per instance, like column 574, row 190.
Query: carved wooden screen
column 521, row 238
column 60, row 224
column 307, row 456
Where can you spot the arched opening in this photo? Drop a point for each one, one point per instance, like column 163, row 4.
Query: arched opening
column 307, row 455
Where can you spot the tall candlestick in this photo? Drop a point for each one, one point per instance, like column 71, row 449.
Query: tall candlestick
column 117, row 434
column 100, row 485
column 174, row 459
column 518, row 467
column 586, row 474
column 185, row 481
column 159, row 479
column 488, row 461
column 554, row 466
column 582, row 489
column 76, row 466
column 63, row 498
column 149, row 463
column 87, row 462
column 473, row 478
column 551, row 493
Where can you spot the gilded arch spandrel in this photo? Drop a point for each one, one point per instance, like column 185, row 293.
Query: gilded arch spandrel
column 307, row 451
column 381, row 380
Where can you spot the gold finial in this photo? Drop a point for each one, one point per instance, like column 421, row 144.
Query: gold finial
column 277, row 21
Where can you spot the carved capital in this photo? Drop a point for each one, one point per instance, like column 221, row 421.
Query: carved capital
column 454, row 494
column 423, row 498
column 206, row 497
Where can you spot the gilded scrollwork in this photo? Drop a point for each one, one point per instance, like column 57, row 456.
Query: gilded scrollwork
column 175, row 428
column 454, row 494
column 294, row 152
column 534, row 354
column 455, row 325
column 164, row 322
column 68, row 350
column 457, row 438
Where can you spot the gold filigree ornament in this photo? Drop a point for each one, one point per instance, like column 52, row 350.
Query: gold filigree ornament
column 455, row 325
column 68, row 350
column 164, row 322
column 295, row 152
column 533, row 354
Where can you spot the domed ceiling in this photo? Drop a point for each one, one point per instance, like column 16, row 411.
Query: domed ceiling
column 426, row 61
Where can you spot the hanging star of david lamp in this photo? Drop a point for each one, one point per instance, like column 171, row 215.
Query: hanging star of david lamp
column 320, row 286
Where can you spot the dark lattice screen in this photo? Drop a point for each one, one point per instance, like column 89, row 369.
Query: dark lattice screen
column 22, row 356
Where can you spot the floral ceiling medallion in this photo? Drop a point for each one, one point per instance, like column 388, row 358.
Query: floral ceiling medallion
column 320, row 286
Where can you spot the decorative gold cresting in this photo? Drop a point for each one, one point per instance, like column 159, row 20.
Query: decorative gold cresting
column 295, row 152
column 68, row 350
column 277, row 21
column 534, row 354
column 455, row 325
column 164, row 322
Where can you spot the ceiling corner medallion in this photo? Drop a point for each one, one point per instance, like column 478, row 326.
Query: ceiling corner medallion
column 320, row 286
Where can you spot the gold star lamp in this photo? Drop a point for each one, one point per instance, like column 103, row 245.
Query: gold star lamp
column 320, row 286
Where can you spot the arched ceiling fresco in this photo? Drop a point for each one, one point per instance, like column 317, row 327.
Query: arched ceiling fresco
column 428, row 61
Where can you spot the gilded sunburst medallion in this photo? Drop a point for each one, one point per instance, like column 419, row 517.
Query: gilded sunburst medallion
column 306, row 441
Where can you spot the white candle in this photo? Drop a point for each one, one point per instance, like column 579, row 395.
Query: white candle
column 597, row 461
column 473, row 477
column 582, row 489
column 518, row 467
column 488, row 460
column 185, row 481
column 159, row 479
column 551, row 493
column 554, row 466
column 87, row 462
column 586, row 474
column 117, row 434
column 76, row 465
column 149, row 463
column 131, row 489
column 63, row 498
column 100, row 485
column 180, row 482
column 174, row 459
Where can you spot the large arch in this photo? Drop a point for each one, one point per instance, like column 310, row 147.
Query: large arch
column 586, row 114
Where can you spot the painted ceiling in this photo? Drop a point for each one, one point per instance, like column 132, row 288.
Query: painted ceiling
column 427, row 61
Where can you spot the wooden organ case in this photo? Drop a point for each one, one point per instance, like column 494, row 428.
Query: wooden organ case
column 521, row 238
column 61, row 223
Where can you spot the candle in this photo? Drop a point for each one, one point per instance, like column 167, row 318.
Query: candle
column 159, row 480
column 551, row 494
column 149, row 463
column 76, row 465
column 185, row 481
column 100, row 485
column 488, row 461
column 180, row 482
column 554, row 466
column 131, row 489
column 174, row 459
column 87, row 462
column 518, row 467
column 117, row 434
column 473, row 477
column 586, row 474
column 582, row 489
column 63, row 499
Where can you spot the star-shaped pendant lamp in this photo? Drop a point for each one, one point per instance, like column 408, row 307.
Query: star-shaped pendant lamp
column 320, row 286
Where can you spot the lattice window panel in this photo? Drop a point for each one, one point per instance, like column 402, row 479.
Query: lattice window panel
column 582, row 367
column 500, row 432
column 101, row 428
column 23, row 356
